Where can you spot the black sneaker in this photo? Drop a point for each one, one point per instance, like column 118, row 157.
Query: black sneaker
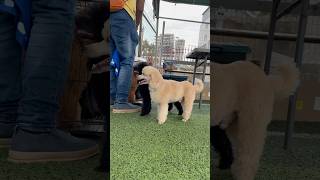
column 125, row 108
column 6, row 131
column 27, row 147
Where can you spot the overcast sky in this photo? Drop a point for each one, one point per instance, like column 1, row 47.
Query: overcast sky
column 183, row 30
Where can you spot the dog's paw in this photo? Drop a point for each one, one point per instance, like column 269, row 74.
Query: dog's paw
column 184, row 120
column 161, row 122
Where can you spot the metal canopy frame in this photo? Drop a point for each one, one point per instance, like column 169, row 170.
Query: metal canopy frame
column 265, row 5
column 302, row 26
column 262, row 35
column 194, row 2
column 156, row 9
column 278, row 10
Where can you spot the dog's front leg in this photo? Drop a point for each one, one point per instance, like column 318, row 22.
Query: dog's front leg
column 162, row 112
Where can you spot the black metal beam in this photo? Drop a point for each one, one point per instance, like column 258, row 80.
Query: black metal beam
column 271, row 36
column 185, row 20
column 272, row 29
column 156, row 7
column 262, row 6
column 288, row 9
column 146, row 18
column 298, row 59
column 262, row 35
column 203, row 79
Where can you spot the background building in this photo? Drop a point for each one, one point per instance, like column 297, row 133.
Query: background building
column 167, row 46
column 147, row 33
column 179, row 49
column 204, row 35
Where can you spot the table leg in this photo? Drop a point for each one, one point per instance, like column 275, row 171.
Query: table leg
column 195, row 71
column 203, row 78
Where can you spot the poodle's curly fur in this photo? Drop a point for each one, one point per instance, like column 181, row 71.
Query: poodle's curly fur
column 143, row 89
column 164, row 91
column 242, row 88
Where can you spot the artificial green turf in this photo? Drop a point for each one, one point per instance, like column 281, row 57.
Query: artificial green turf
column 76, row 170
column 302, row 162
column 141, row 149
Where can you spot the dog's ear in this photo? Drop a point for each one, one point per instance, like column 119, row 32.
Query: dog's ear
column 155, row 78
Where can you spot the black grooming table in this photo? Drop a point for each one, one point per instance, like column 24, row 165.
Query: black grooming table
column 174, row 77
column 228, row 53
column 199, row 53
column 201, row 56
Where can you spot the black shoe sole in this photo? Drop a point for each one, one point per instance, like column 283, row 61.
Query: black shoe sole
column 30, row 157
column 126, row 110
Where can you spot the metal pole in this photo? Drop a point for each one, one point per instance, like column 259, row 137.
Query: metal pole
column 288, row 9
column 298, row 60
column 148, row 22
column 157, row 2
column 272, row 28
column 203, row 78
column 140, row 40
column 161, row 47
column 194, row 71
column 157, row 34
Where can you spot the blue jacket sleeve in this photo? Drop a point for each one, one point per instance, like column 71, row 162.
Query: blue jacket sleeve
column 21, row 9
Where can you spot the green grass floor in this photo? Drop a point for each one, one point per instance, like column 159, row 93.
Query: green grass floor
column 76, row 170
column 143, row 150
column 301, row 162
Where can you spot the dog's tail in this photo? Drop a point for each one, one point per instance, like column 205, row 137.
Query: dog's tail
column 285, row 81
column 198, row 84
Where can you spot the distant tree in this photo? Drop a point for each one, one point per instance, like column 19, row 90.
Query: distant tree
column 148, row 49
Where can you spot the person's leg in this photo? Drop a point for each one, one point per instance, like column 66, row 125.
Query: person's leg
column 222, row 146
column 44, row 73
column 125, row 38
column 146, row 99
column 179, row 107
column 170, row 106
column 10, row 77
column 46, row 63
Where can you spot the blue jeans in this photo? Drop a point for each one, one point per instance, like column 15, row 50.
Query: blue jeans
column 30, row 86
column 124, row 38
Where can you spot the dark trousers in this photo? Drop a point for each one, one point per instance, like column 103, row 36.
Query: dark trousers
column 30, row 87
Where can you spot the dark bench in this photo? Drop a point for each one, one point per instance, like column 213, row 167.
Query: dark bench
column 175, row 77
column 228, row 53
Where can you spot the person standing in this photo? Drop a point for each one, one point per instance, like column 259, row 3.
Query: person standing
column 124, row 39
column 35, row 43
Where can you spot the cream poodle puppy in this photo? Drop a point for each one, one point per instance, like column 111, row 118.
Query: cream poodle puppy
column 242, row 103
column 164, row 91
